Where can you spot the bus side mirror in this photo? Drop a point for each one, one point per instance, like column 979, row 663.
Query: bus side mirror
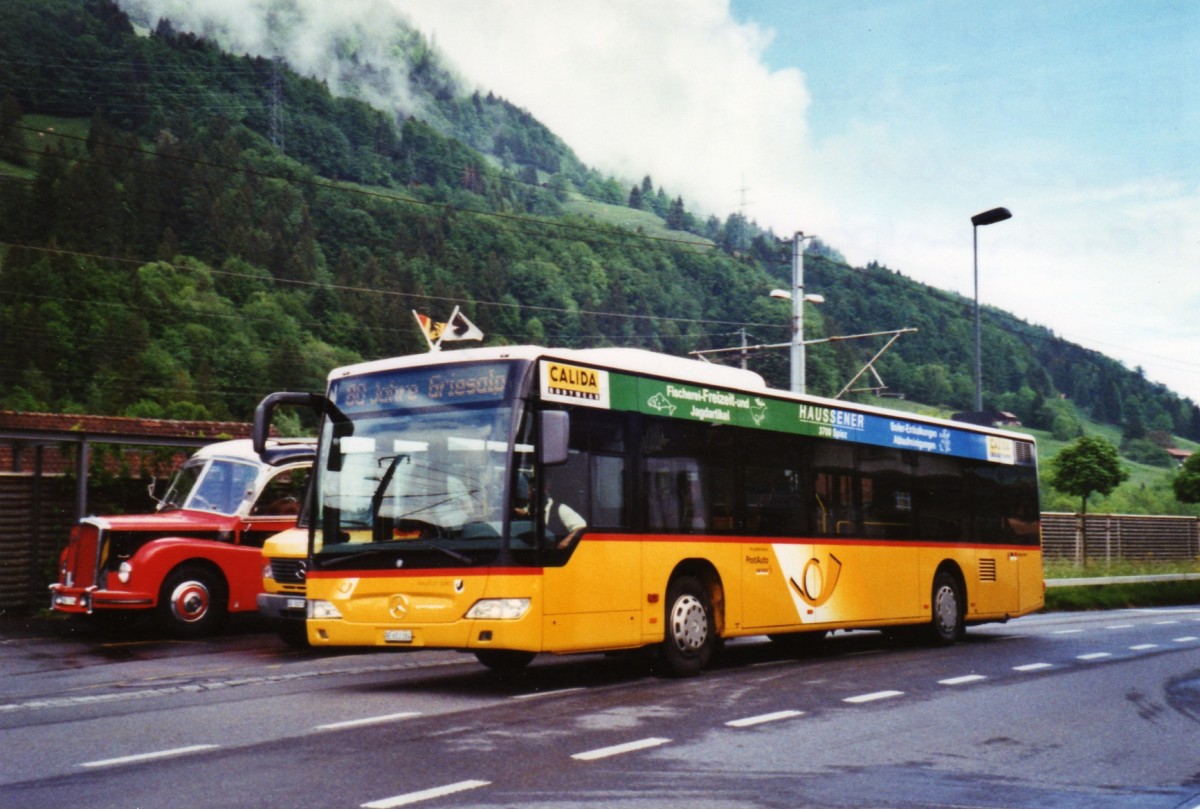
column 265, row 412
column 554, row 434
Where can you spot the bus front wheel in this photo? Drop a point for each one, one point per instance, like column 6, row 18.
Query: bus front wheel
column 504, row 659
column 691, row 632
column 947, row 624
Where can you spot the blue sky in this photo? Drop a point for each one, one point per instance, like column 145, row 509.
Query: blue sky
column 1081, row 117
column 1104, row 78
column 879, row 126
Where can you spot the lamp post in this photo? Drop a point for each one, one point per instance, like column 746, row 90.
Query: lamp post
column 986, row 218
column 798, row 299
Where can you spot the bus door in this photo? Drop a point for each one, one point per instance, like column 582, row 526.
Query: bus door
column 864, row 560
column 775, row 509
column 592, row 573
column 1008, row 528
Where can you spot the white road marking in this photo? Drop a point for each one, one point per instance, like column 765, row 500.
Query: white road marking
column 368, row 720
column 966, row 678
column 1141, row 647
column 1033, row 667
column 1067, row 632
column 750, row 721
column 872, row 697
column 1186, row 639
column 556, row 692
column 618, row 749
column 1093, row 656
column 424, row 795
column 1120, row 626
column 178, row 751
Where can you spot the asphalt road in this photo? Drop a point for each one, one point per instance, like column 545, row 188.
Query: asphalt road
column 1064, row 710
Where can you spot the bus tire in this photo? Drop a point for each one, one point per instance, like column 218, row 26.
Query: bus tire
column 294, row 634
column 947, row 623
column 191, row 602
column 691, row 632
column 504, row 659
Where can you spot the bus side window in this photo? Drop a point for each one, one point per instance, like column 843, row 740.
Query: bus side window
column 774, row 505
column 608, row 491
column 835, row 501
column 886, row 487
column 674, row 494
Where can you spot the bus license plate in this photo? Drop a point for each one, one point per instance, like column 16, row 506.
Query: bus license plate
column 296, row 603
column 397, row 636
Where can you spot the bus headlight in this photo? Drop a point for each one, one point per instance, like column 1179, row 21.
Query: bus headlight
column 508, row 609
column 124, row 572
column 322, row 609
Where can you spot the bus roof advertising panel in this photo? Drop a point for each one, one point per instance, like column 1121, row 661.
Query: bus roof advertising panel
column 609, row 389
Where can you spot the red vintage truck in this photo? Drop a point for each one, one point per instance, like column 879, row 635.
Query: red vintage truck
column 198, row 557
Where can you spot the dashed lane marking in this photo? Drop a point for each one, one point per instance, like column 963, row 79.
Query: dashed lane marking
column 554, row 693
column 1033, row 667
column 424, row 795
column 872, row 697
column 618, row 749
column 158, row 754
column 368, row 720
column 750, row 721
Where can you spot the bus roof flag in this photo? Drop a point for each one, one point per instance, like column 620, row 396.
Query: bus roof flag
column 431, row 329
column 459, row 328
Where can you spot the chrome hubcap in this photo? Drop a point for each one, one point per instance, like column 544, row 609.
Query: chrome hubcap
column 689, row 624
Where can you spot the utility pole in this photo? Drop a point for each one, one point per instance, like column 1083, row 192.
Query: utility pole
column 799, row 380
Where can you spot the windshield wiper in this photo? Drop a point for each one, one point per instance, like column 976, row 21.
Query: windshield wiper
column 455, row 555
column 394, row 549
column 350, row 557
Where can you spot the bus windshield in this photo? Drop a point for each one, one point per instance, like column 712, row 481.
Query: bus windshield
column 411, row 473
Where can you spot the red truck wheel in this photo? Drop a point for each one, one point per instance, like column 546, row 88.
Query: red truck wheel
column 192, row 602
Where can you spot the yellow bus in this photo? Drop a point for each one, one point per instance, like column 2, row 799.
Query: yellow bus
column 517, row 500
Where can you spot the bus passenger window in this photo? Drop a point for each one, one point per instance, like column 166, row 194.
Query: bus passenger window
column 774, row 506
column 675, row 496
column 886, row 488
column 608, row 491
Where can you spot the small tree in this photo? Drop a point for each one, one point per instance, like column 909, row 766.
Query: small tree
column 1187, row 482
column 1089, row 465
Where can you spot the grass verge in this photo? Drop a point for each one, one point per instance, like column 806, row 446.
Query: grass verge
column 1118, row 596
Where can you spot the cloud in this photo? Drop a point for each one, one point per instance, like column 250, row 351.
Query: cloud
column 672, row 88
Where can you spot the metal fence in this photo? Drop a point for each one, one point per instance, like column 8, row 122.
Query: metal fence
column 35, row 519
column 1119, row 537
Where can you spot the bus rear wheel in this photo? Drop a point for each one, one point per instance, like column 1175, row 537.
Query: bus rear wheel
column 691, row 632
column 947, row 624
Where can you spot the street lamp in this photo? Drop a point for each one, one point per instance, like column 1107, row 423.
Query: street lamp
column 798, row 298
column 986, row 218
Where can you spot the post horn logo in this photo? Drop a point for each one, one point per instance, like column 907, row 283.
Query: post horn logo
column 817, row 585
